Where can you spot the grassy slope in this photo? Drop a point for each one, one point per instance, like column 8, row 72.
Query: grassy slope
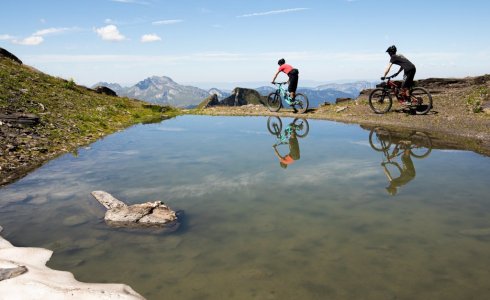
column 71, row 116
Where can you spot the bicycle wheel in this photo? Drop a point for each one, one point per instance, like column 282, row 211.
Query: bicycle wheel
column 274, row 125
column 380, row 101
column 380, row 139
column 301, row 103
column 274, row 102
column 422, row 100
column 422, row 145
column 302, row 127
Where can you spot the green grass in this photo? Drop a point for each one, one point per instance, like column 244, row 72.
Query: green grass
column 70, row 113
column 475, row 99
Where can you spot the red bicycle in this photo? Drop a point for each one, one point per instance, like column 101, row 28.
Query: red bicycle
column 381, row 98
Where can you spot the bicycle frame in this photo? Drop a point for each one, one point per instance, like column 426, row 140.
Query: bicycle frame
column 283, row 92
column 393, row 87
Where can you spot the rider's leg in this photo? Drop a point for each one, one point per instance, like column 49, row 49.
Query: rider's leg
column 293, row 83
column 407, row 83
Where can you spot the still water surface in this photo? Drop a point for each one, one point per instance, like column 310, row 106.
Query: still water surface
column 326, row 223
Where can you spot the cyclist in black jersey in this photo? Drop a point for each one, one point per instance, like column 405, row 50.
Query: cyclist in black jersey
column 405, row 65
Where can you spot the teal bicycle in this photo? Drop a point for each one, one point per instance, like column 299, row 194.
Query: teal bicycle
column 274, row 100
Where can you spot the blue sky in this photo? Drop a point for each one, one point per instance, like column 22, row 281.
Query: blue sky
column 218, row 42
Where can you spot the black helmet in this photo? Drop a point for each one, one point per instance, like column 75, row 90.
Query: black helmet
column 391, row 49
column 282, row 61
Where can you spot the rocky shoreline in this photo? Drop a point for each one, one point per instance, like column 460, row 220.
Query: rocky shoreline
column 452, row 121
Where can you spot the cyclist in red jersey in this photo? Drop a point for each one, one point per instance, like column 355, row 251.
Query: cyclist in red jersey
column 293, row 155
column 292, row 73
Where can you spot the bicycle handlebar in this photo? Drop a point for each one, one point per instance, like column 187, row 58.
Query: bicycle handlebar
column 388, row 77
column 279, row 82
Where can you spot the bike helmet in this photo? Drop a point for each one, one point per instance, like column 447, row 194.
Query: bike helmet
column 282, row 61
column 391, row 50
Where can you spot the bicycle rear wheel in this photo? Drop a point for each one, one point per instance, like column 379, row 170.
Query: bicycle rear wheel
column 422, row 145
column 421, row 100
column 380, row 101
column 301, row 127
column 301, row 103
column 274, row 101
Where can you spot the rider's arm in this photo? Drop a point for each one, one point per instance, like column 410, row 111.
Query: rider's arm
column 396, row 74
column 387, row 69
column 277, row 152
column 275, row 76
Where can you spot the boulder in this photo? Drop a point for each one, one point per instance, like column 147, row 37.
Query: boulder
column 105, row 90
column 238, row 97
column 147, row 214
column 212, row 100
column 340, row 100
column 7, row 54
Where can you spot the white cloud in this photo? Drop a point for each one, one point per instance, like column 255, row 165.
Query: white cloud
column 30, row 41
column 148, row 38
column 52, row 30
column 167, row 22
column 6, row 37
column 273, row 12
column 110, row 33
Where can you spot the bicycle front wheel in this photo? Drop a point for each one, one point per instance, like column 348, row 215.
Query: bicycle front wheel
column 380, row 139
column 380, row 101
column 274, row 102
column 422, row 100
column 274, row 125
column 301, row 103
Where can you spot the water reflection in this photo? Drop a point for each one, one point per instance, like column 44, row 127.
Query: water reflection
column 299, row 128
column 399, row 149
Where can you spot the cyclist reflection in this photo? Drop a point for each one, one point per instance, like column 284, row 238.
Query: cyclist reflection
column 297, row 129
column 416, row 144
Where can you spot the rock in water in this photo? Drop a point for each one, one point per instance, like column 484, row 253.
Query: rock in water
column 119, row 214
column 107, row 200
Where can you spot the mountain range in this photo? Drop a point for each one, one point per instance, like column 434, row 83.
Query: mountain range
column 163, row 90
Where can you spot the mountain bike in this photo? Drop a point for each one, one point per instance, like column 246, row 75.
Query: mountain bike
column 381, row 98
column 399, row 172
column 299, row 125
column 274, row 100
column 417, row 142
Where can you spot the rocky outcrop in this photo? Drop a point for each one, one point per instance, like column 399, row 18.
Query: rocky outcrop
column 105, row 90
column 212, row 100
column 20, row 118
column 24, row 275
column 340, row 100
column 439, row 85
column 7, row 54
column 239, row 97
column 147, row 214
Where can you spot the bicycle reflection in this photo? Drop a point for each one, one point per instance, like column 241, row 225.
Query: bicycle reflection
column 416, row 144
column 299, row 128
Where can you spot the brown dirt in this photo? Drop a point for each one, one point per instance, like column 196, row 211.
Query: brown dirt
column 450, row 121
